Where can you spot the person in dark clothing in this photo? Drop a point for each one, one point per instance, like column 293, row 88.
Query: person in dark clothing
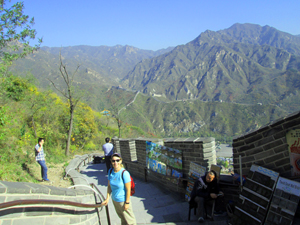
column 206, row 188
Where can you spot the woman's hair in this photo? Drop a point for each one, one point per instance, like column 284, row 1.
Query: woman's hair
column 119, row 156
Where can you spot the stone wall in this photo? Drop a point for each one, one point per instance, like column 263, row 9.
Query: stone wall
column 230, row 189
column 128, row 149
column 266, row 146
column 45, row 214
column 133, row 151
column 73, row 170
column 198, row 150
column 51, row 214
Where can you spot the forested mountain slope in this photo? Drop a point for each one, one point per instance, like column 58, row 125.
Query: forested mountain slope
column 244, row 63
column 221, row 83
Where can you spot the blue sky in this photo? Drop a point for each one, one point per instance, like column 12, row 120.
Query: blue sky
column 151, row 24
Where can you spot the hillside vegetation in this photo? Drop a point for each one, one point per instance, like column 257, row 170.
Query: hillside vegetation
column 27, row 113
column 220, row 84
column 196, row 118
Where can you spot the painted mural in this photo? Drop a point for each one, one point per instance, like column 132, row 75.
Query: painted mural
column 293, row 140
column 164, row 160
column 196, row 171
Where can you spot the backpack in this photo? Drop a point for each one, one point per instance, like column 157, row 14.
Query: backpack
column 97, row 160
column 132, row 182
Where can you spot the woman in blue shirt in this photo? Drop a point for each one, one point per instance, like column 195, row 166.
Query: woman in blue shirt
column 119, row 188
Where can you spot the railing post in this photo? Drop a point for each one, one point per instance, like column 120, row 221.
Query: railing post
column 106, row 207
column 146, row 175
column 241, row 172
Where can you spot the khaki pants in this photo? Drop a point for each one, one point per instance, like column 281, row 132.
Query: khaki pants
column 127, row 217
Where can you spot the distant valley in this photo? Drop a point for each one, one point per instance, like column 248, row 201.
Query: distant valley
column 222, row 83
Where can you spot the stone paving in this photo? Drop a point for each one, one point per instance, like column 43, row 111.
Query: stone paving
column 151, row 204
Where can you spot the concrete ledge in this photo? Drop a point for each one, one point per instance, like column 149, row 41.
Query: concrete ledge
column 50, row 214
column 17, row 189
column 73, row 170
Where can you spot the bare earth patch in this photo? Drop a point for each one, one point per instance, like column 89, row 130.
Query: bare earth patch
column 55, row 175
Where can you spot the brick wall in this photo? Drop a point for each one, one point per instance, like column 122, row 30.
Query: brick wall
column 51, row 214
column 266, row 146
column 133, row 151
column 231, row 191
column 198, row 150
column 45, row 214
column 127, row 149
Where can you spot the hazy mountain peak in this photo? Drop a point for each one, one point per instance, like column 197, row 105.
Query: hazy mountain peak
column 221, row 66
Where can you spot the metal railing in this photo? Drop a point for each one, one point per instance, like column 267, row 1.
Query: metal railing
column 46, row 202
column 27, row 202
column 92, row 186
column 106, row 207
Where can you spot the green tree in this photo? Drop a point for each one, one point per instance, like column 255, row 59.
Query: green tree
column 226, row 164
column 37, row 102
column 16, row 88
column 85, row 127
column 15, row 32
column 70, row 94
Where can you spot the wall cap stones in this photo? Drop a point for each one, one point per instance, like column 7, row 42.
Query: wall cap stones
column 32, row 188
column 269, row 125
column 190, row 140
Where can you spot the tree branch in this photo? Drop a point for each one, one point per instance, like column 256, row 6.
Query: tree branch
column 64, row 94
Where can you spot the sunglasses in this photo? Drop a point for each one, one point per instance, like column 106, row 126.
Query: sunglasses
column 117, row 160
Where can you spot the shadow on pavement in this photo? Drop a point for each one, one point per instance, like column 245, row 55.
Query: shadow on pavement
column 151, row 204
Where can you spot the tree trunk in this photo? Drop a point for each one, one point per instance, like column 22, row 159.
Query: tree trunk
column 119, row 125
column 68, row 94
column 70, row 131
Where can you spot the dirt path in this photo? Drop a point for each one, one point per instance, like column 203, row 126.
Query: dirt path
column 55, row 174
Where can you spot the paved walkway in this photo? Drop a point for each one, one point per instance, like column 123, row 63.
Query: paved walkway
column 151, row 204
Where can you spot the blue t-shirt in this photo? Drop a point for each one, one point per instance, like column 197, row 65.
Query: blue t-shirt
column 118, row 191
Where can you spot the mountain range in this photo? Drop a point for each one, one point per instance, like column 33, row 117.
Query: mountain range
column 247, row 68
column 102, row 65
column 244, row 63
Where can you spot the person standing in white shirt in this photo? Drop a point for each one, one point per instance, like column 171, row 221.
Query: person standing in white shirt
column 40, row 158
column 108, row 151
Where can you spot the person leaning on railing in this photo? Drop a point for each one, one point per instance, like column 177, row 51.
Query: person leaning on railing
column 119, row 188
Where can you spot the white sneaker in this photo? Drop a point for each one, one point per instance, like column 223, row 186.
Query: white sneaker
column 201, row 220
